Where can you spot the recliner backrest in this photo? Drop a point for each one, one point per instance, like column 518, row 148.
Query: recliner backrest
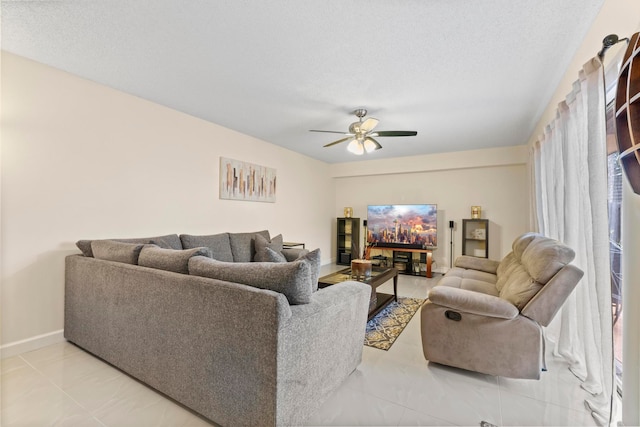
column 544, row 257
column 535, row 259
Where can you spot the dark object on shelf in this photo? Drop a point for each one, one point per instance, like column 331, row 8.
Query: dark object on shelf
column 475, row 237
column 628, row 113
column 380, row 261
column 348, row 240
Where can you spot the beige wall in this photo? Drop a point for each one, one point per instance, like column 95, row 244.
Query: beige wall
column 80, row 160
column 84, row 161
column 621, row 17
column 496, row 179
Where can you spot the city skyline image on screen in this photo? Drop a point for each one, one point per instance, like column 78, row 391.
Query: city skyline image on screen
column 410, row 225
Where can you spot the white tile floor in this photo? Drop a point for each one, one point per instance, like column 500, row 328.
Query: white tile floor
column 61, row 385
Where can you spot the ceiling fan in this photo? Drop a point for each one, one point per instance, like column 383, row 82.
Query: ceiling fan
column 361, row 134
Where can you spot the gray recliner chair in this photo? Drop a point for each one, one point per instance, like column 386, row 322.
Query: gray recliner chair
column 487, row 316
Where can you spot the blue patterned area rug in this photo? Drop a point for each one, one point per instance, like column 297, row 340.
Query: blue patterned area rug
column 386, row 326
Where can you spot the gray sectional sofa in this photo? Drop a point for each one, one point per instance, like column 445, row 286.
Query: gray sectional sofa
column 196, row 318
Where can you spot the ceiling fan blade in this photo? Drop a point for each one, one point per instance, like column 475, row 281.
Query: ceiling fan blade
column 376, row 144
column 368, row 125
column 395, row 133
column 338, row 141
column 330, row 131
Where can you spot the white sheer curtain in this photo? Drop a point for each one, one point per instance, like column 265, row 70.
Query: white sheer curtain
column 570, row 205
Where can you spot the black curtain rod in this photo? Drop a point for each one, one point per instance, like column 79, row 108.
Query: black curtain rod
column 609, row 41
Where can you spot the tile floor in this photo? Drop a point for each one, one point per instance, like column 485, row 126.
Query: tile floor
column 61, row 385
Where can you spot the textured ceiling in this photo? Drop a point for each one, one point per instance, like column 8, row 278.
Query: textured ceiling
column 464, row 74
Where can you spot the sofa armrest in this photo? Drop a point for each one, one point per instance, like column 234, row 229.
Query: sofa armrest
column 319, row 346
column 327, row 302
column 474, row 263
column 472, row 302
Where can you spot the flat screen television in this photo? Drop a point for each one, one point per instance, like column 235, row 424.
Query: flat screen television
column 403, row 226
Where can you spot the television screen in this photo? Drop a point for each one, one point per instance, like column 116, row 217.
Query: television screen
column 411, row 226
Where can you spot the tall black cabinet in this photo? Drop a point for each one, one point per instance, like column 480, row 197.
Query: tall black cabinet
column 348, row 240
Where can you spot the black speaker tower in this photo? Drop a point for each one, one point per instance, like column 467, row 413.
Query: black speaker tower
column 451, row 226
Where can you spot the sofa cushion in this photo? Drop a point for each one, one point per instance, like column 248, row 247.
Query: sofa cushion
column 475, row 263
column 465, row 273
column 454, row 281
column 480, row 276
column 218, row 243
column 170, row 259
column 506, row 267
column 243, row 245
column 519, row 287
column 170, row 241
column 292, row 279
column 112, row 250
column 261, row 246
column 544, row 257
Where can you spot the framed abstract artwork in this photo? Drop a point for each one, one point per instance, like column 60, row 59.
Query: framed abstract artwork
column 246, row 181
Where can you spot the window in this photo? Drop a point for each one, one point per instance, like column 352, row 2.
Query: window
column 613, row 62
column 615, row 247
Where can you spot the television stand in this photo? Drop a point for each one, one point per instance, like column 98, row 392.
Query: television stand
column 428, row 252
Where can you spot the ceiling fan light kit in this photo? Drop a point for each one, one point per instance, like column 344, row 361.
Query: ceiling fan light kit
column 361, row 132
column 356, row 147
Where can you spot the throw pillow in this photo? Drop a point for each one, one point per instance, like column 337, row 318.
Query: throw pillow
column 169, row 241
column 218, row 243
column 110, row 250
column 170, row 259
column 261, row 244
column 292, row 279
column 243, row 245
column 314, row 261
column 269, row 255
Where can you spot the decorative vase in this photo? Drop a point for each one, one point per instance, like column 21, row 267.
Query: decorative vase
column 348, row 212
column 475, row 212
column 360, row 268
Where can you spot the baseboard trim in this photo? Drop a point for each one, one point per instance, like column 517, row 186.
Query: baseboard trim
column 18, row 347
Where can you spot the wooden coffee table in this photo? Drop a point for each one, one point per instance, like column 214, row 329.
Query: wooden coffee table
column 379, row 276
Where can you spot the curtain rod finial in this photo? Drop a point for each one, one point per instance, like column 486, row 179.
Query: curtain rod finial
column 607, row 42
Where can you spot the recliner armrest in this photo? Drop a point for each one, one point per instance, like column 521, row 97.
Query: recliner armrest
column 472, row 302
column 474, row 263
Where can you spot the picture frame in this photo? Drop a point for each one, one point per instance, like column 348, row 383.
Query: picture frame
column 246, row 181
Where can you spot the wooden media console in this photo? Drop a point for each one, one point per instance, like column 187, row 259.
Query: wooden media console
column 428, row 252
